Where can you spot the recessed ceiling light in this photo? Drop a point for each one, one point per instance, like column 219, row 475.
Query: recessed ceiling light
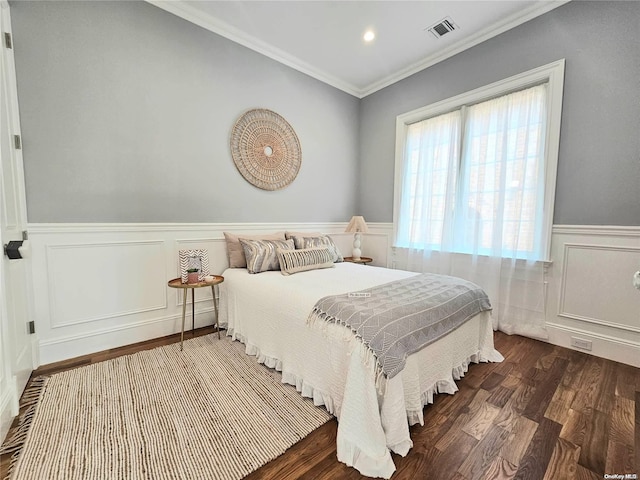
column 369, row 36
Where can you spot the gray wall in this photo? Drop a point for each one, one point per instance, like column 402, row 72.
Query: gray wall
column 126, row 113
column 599, row 163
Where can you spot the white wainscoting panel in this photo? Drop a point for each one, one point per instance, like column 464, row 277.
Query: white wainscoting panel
column 100, row 286
column 96, row 281
column 589, row 291
column 596, row 285
column 591, row 296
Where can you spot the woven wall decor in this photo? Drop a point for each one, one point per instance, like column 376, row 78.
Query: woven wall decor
column 265, row 149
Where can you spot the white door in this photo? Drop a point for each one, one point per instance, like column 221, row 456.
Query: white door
column 16, row 342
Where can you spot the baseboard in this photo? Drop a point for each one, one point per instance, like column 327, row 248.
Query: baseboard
column 7, row 411
column 71, row 346
column 605, row 346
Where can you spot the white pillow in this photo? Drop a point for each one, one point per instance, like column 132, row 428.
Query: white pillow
column 235, row 252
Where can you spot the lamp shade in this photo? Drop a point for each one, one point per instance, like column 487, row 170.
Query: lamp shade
column 357, row 224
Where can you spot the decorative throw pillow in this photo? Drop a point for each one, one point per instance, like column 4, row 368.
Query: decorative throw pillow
column 301, row 235
column 301, row 260
column 319, row 241
column 262, row 255
column 235, row 252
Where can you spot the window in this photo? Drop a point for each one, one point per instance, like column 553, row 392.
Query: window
column 476, row 174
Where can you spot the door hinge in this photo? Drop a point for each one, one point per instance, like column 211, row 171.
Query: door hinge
column 25, row 235
column 32, row 327
column 17, row 142
column 7, row 40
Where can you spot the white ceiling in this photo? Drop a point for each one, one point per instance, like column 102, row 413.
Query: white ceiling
column 324, row 38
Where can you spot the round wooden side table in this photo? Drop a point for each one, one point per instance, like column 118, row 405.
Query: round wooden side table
column 177, row 283
column 363, row 260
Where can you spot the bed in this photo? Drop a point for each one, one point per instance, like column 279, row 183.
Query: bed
column 268, row 313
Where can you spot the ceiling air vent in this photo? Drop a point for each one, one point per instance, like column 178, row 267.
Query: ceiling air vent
column 443, row 27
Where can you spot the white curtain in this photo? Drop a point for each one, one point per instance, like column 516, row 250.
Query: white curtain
column 472, row 203
column 429, row 181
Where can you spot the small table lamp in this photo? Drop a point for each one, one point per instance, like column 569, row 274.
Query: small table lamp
column 357, row 225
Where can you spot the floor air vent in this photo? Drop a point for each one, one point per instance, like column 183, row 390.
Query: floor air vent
column 443, row 27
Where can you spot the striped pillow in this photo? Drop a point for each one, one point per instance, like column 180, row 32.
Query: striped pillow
column 262, row 254
column 319, row 241
column 301, row 260
column 293, row 235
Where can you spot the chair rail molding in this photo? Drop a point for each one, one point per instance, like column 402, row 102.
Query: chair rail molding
column 599, row 230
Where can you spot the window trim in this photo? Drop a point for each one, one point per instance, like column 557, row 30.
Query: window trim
column 553, row 73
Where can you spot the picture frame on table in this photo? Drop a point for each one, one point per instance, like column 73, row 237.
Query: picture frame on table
column 190, row 259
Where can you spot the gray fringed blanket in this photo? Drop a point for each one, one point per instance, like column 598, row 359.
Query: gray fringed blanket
column 402, row 317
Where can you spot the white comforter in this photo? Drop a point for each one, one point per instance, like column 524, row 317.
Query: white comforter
column 268, row 313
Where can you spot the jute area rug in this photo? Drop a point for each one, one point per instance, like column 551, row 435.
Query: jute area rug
column 208, row 412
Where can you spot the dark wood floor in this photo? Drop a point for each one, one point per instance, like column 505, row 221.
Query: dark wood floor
column 546, row 412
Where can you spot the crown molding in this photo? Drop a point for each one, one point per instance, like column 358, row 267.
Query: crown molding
column 485, row 34
column 209, row 22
